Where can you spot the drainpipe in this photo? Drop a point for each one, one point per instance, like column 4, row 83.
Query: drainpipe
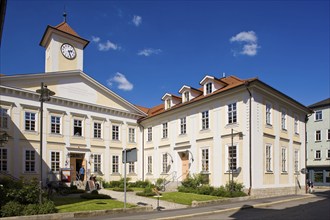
column 142, row 152
column 306, row 120
column 250, row 138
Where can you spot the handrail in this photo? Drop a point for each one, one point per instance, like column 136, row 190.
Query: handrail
column 172, row 175
column 9, row 175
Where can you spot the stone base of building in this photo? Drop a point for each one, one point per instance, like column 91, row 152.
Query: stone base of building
column 278, row 191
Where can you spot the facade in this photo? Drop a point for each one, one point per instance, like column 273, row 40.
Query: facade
column 229, row 129
column 318, row 143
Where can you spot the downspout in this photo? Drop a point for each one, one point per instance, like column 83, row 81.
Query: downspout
column 250, row 138
column 306, row 120
column 142, row 152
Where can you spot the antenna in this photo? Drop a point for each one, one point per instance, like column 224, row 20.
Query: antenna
column 64, row 14
column 223, row 75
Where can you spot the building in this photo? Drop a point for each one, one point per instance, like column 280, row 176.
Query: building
column 228, row 129
column 318, row 143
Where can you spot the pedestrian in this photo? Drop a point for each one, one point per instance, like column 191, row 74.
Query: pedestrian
column 82, row 173
column 310, row 185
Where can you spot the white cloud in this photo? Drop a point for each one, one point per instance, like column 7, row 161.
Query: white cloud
column 108, row 46
column 149, row 51
column 95, row 39
column 137, row 20
column 250, row 41
column 122, row 82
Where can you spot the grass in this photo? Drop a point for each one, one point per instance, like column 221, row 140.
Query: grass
column 78, row 204
column 185, row 198
column 136, row 189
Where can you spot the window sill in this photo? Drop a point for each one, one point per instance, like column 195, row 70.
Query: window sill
column 269, row 172
column 318, row 120
column 230, row 172
column 116, row 141
column 164, row 139
column 297, row 134
column 317, row 141
column 183, row 135
column 77, row 137
column 30, row 172
column 205, row 172
column 205, row 130
column 149, row 142
column 284, row 173
column 97, row 139
column 31, row 132
column 317, row 159
column 269, row 126
column 115, row 174
column 131, row 142
column 149, row 174
column 132, row 174
column 55, row 135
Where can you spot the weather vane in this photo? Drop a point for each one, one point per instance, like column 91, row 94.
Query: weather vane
column 64, row 14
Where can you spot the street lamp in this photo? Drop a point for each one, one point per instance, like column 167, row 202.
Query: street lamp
column 231, row 167
column 4, row 137
column 45, row 95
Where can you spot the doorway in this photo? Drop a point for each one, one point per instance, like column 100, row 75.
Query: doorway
column 185, row 164
column 76, row 161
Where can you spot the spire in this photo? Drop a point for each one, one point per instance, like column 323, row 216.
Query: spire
column 64, row 15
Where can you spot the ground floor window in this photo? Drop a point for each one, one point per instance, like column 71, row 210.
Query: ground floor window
column 55, row 161
column 3, row 159
column 232, row 158
column 318, row 177
column 131, row 167
column 30, row 163
column 115, row 164
column 149, row 164
column 97, row 163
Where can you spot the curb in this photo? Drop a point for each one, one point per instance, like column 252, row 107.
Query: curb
column 72, row 215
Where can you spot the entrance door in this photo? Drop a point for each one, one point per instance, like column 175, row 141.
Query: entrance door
column 185, row 165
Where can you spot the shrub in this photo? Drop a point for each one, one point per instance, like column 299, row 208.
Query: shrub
column 187, row 189
column 220, row 192
column 147, row 191
column 119, row 189
column 193, row 181
column 106, row 184
column 205, row 190
column 95, row 192
column 24, row 191
column 12, row 208
column 94, row 196
column 47, row 207
column 234, row 186
column 113, row 184
column 160, row 183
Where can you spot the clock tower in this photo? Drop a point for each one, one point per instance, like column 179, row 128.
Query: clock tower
column 64, row 48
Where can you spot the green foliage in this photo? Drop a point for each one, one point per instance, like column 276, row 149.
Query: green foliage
column 147, row 191
column 205, row 190
column 95, row 192
column 113, row 184
column 12, row 208
column 140, row 183
column 94, row 196
column 160, row 183
column 193, row 181
column 119, row 189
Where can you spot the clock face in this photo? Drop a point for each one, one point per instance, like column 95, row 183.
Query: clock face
column 68, row 51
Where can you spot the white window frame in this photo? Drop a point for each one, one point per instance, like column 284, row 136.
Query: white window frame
column 183, row 125
column 78, row 123
column 283, row 119
column 235, row 159
column 268, row 157
column 149, row 133
column 57, row 124
column 31, row 120
column 149, row 165
column 186, row 96
column 205, row 160
column 131, row 167
column 30, row 162
column 164, row 130
column 232, row 113
column 4, row 159
column 205, row 120
column 296, row 124
column 284, row 168
column 318, row 115
column 208, row 88
column 296, row 161
column 115, row 164
column 4, row 118
column 97, row 130
column 318, row 155
column 115, row 131
column 97, row 165
column 318, row 135
column 165, row 163
column 168, row 103
column 55, row 165
column 269, row 120
column 131, row 135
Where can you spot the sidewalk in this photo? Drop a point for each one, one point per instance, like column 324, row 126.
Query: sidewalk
column 141, row 201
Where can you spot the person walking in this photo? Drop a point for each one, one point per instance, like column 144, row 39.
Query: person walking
column 82, row 173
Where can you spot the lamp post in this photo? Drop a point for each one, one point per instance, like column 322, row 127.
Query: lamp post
column 45, row 95
column 4, row 137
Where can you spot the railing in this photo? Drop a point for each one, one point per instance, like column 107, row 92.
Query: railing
column 177, row 179
column 9, row 175
column 168, row 178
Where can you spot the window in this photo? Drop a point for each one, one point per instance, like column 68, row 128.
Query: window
column 97, row 163
column 30, row 121
column 115, row 132
column 165, row 130
column 205, row 120
column 150, row 134
column 318, row 177
column 283, row 160
column 317, row 155
column 296, row 124
column 55, row 161
column 296, row 161
column 165, row 164
column 77, row 127
column 149, row 164
column 168, row 103
column 205, row 160
column 318, row 135
column 3, row 159
column 115, row 164
column 318, row 115
column 268, row 114
column 131, row 167
column 3, row 118
column 186, row 96
column 30, row 163
column 232, row 158
column 183, row 126
column 328, row 134
column 328, row 157
column 55, row 127
column 131, row 135
column 268, row 158
column 208, row 88
column 283, row 119
column 97, row 130
column 232, row 113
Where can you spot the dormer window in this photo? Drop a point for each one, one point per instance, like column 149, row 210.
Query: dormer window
column 186, row 96
column 168, row 103
column 208, row 88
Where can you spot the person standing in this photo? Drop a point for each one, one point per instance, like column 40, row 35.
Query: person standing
column 82, row 173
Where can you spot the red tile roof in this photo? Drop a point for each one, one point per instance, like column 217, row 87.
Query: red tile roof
column 65, row 27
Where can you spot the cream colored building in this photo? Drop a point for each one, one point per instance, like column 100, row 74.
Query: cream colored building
column 228, row 129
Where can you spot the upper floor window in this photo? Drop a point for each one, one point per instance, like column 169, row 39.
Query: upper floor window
column 232, row 158
column 317, row 155
column 115, row 132
column 296, row 124
column 115, row 164
column 284, row 160
column 150, row 134
column 186, row 96
column 165, row 131
column 97, row 163
column 77, row 127
column 55, row 161
column 30, row 121
column 318, row 135
column 328, row 157
column 30, row 163
column 208, row 88
column 205, row 160
column 318, row 115
column 268, row 114
column 3, row 118
column 296, row 161
column 283, row 119
column 168, row 103
column 149, row 164
column 183, row 125
column 328, row 134
column 205, row 120
column 55, row 127
column 3, row 159
column 97, row 130
column 131, row 135
column 232, row 113
column 268, row 158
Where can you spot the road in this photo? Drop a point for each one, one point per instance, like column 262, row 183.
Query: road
column 285, row 207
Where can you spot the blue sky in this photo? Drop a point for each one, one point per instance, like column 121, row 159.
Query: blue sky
column 143, row 49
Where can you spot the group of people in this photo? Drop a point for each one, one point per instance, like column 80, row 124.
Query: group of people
column 92, row 177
